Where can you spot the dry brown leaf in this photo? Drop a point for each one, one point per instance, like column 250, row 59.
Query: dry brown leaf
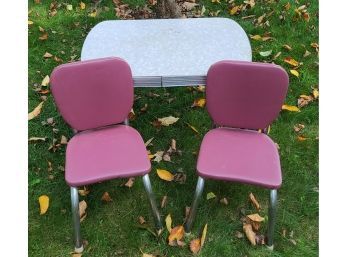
column 307, row 53
column 290, row 108
column 45, row 81
column 189, row 6
column 82, row 210
column 254, row 201
column 164, row 201
column 166, row 121
column 158, row 156
column 141, row 220
column 301, row 138
column 287, row 47
column 148, row 255
column 165, row 175
column 199, row 103
column 63, row 140
column 47, row 55
column 148, row 142
column 44, row 36
column 131, row 115
column 34, row 139
column 173, row 142
column 44, row 202
column 287, row 6
column 177, row 233
column 84, row 191
column 239, row 234
column 224, row 201
column 255, row 217
column 35, row 112
column 250, row 234
column 195, row 245
column 76, row 255
column 299, row 127
column 291, row 61
column 304, row 100
column 82, row 5
column 106, row 197
column 130, row 182
column 168, row 221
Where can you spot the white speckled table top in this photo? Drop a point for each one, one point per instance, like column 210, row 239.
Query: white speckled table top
column 168, row 52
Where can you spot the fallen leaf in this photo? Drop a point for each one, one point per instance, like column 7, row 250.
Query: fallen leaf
column 224, row 201
column 307, row 53
column 141, row 220
column 256, row 37
column 287, row 6
column 45, row 81
column 189, row 6
column 290, row 108
column 93, row 14
column 298, row 127
column 158, row 156
column 304, row 100
column 47, row 55
column 164, row 201
column 148, row 255
column 148, row 142
column 44, row 202
column 199, row 103
column 166, row 121
column 130, row 182
column 168, row 221
column 266, row 53
column 254, row 201
column 50, row 168
column 106, row 197
column 287, row 47
column 176, row 233
column 295, row 73
column 180, row 177
column 315, row 93
column 204, row 234
column 301, row 138
column 250, row 234
column 239, row 234
column 82, row 210
column 131, row 115
column 200, row 89
column 30, row 22
column 256, row 217
column 291, row 61
column 84, row 191
column 37, row 139
column 173, row 141
column 63, row 140
column 234, row 10
column 82, row 5
column 69, row 7
column 44, row 36
column 195, row 245
column 193, row 128
column 165, row 175
column 210, row 195
column 76, row 255
column 35, row 112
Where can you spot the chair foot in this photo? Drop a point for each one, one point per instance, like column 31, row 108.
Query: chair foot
column 270, row 247
column 193, row 209
column 271, row 218
column 150, row 194
column 76, row 219
column 79, row 250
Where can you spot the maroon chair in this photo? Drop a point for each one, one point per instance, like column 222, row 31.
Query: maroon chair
column 94, row 97
column 242, row 98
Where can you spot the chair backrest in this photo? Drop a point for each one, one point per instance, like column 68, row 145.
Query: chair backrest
column 94, row 93
column 245, row 94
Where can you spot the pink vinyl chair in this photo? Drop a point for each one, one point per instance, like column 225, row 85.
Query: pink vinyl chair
column 94, row 97
column 242, row 97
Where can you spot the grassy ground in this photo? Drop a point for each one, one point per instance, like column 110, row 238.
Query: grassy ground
column 110, row 228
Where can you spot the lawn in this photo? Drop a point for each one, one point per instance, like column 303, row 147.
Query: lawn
column 112, row 228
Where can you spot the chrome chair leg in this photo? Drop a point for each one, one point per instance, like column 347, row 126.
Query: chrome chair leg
column 76, row 219
column 193, row 209
column 150, row 194
column 271, row 218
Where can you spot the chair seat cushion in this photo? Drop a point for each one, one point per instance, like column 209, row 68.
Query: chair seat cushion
column 241, row 156
column 103, row 154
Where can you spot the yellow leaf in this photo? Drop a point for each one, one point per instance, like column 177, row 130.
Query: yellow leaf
column 256, row 37
column 287, row 6
column 30, row 22
column 193, row 128
column 45, row 81
column 166, row 121
column 199, row 103
column 291, row 61
column 150, row 156
column 106, row 197
column 44, row 202
column 250, row 234
column 169, row 223
column 290, row 108
column 301, row 138
column 35, row 112
column 195, row 245
column 165, row 175
column 256, row 217
column 204, row 234
column 315, row 93
column 93, row 14
column 69, row 7
column 295, row 73
column 210, row 195
column 82, row 5
column 176, row 233
column 234, row 10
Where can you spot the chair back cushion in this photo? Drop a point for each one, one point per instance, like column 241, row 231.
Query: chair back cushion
column 245, row 94
column 94, row 93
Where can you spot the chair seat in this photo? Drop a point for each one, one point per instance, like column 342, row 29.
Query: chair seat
column 241, row 156
column 103, row 154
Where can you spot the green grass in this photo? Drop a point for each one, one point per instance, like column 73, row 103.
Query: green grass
column 110, row 229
